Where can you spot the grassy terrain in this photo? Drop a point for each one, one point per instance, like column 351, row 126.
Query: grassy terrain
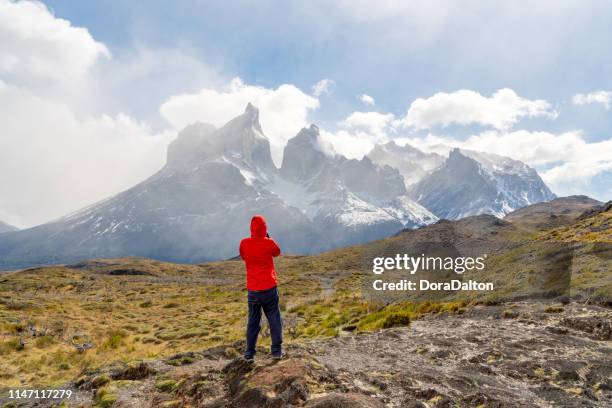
column 176, row 308
column 131, row 309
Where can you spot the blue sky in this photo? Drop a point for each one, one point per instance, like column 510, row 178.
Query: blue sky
column 147, row 68
column 562, row 50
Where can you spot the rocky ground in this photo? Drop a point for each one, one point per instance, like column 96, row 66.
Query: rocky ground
column 512, row 355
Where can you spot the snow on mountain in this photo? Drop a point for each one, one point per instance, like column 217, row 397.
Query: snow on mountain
column 472, row 183
column 352, row 200
column 412, row 163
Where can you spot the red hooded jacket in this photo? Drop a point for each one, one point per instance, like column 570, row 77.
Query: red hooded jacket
column 257, row 253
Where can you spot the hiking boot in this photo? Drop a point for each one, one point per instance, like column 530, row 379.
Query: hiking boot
column 279, row 356
column 249, row 359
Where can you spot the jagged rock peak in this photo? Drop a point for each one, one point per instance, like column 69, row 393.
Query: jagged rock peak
column 188, row 142
column 251, row 117
column 310, row 137
column 455, row 154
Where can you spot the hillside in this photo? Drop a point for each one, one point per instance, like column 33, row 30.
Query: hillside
column 4, row 227
column 60, row 322
column 555, row 213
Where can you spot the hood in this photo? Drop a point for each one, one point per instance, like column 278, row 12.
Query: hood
column 259, row 229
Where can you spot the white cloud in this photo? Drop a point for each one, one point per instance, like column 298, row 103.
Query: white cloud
column 367, row 99
column 534, row 148
column 56, row 154
column 53, row 162
column 374, row 123
column 35, row 45
column 322, row 87
column 353, row 145
column 502, row 110
column 359, row 132
column 602, row 97
column 575, row 174
column 283, row 111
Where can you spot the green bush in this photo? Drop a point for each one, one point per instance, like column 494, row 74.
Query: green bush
column 105, row 398
column 43, row 341
column 100, row 381
column 396, row 319
column 166, row 385
column 8, row 347
column 114, row 341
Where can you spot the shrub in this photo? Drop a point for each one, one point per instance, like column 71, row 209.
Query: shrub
column 105, row 398
column 44, row 341
column 100, row 381
column 191, row 333
column 114, row 341
column 11, row 304
column 10, row 346
column 396, row 319
column 181, row 361
column 166, row 385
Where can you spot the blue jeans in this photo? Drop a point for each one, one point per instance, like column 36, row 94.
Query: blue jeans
column 268, row 301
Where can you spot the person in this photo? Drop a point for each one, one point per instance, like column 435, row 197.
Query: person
column 258, row 252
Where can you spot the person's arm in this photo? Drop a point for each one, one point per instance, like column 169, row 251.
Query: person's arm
column 241, row 250
column 275, row 248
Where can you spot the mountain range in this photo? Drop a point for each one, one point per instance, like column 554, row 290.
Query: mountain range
column 198, row 206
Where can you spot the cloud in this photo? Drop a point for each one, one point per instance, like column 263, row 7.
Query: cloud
column 138, row 80
column 535, row 148
column 576, row 173
column 49, row 155
column 502, row 110
column 367, row 99
column 283, row 111
column 57, row 154
column 322, row 87
column 602, row 97
column 36, row 46
column 373, row 122
column 353, row 145
column 359, row 132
